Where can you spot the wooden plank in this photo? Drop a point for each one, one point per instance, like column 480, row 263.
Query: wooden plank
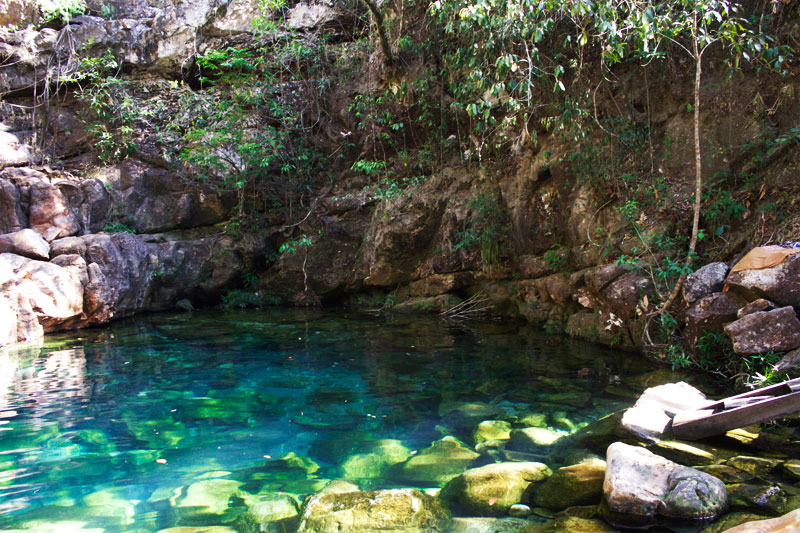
column 687, row 426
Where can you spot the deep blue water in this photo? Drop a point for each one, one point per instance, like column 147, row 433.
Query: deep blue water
column 106, row 429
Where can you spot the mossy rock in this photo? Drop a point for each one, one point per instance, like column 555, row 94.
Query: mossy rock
column 205, row 501
column 157, row 433
column 492, row 489
column 437, row 464
column 570, row 524
column 569, row 486
column 491, row 430
column 382, row 455
column 728, row 521
column 405, row 510
column 487, row 525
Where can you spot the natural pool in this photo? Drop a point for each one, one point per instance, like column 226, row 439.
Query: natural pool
column 171, row 420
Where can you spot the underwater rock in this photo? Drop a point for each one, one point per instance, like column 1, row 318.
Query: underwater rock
column 537, row 420
column 365, row 511
column 464, row 416
column 200, row 529
column 730, row 520
column 533, row 439
column 156, row 433
column 640, row 486
column 491, row 430
column 338, row 486
column 492, row 489
column 383, row 454
column 438, row 464
column 726, row 474
column 196, row 502
column 519, row 510
column 569, row 486
column 487, row 525
column 758, row 496
column 787, row 523
column 570, row 524
column 267, row 511
column 757, row 466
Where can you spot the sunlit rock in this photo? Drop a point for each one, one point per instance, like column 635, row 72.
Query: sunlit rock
column 204, row 499
column 487, row 525
column 764, row 331
column 492, row 489
column 375, row 463
column 534, row 439
column 438, row 464
column 387, row 510
column 27, row 243
column 788, row 523
column 652, row 413
column 491, row 430
column 640, row 486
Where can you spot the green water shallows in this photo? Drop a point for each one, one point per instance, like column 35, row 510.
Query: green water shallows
column 137, row 426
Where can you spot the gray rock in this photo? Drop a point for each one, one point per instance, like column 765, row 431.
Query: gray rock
column 765, row 331
column 25, row 242
column 756, row 305
column 624, row 293
column 384, row 510
column 789, row 362
column 12, row 217
column 780, row 284
column 491, row 490
column 704, row 281
column 710, row 314
column 640, row 486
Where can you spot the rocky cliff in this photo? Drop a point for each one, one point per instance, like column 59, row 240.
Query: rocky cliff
column 119, row 194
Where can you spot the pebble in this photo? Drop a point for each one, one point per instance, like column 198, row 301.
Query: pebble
column 519, row 510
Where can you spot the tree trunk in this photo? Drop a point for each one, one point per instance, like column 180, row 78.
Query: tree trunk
column 388, row 58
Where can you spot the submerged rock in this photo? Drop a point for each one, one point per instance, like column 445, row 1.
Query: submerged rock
column 491, row 490
column 365, row 511
column 203, row 499
column 492, row 430
column 487, row 525
column 374, row 464
column 572, row 485
column 570, row 524
column 534, row 439
column 640, row 486
column 438, row 464
column 787, row 523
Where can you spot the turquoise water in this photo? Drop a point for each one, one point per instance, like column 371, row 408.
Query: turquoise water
column 127, row 428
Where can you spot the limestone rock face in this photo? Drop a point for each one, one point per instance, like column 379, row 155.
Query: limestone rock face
column 780, row 284
column 704, row 281
column 492, row 489
column 640, row 486
column 51, row 293
column 760, row 332
column 50, row 214
column 27, row 243
column 580, row 484
column 385, row 510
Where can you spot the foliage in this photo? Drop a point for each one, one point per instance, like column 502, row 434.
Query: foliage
column 291, row 246
column 487, row 227
column 63, row 10
column 556, row 258
column 118, row 227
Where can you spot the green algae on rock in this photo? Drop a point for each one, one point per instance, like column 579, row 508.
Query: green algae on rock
column 442, row 461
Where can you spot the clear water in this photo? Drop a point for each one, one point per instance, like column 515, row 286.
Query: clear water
column 106, row 430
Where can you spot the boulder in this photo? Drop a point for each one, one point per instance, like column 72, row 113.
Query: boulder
column 764, row 331
column 13, row 151
column 756, row 305
column 704, row 281
column 491, row 490
column 580, row 484
column 640, row 486
column 491, row 430
column 384, row 510
column 438, row 464
column 710, row 314
column 25, row 242
column 52, row 293
column 779, row 284
column 788, row 523
column 50, row 214
column 650, row 416
column 789, row 362
column 599, row 278
column 623, row 294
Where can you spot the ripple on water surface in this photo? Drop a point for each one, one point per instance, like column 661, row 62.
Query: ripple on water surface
column 219, row 418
